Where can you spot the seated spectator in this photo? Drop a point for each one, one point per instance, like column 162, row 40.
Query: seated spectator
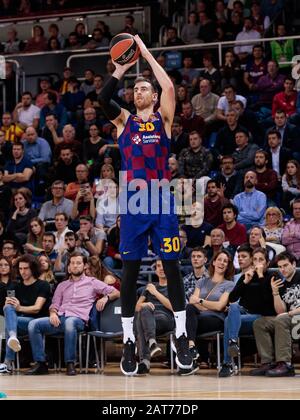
column 19, row 170
column 82, row 175
column 213, row 203
column 113, row 257
column 95, row 268
column 198, row 260
column 267, row 178
column 45, row 87
column 291, row 231
column 25, row 113
column 248, row 33
column 198, row 230
column 89, row 118
column 226, row 101
column 53, row 31
column 207, row 32
column 61, row 86
column 190, row 121
column 195, row 161
column 180, row 138
column 93, row 94
column 64, row 252
column 289, row 132
column 22, row 214
column 244, row 153
column 58, row 204
column 73, row 100
column 13, row 45
column 190, row 30
column 107, row 173
column 286, row 101
column 225, row 141
column 173, row 167
column 172, row 39
column 51, row 106
column 230, row 71
column 7, row 280
column 13, row 132
column 129, row 25
column 153, row 317
column 107, row 208
column 269, row 85
column 188, row 72
column 98, row 41
column 273, row 334
column 244, row 255
column 260, row 22
column 282, row 50
column 61, row 226
column 48, row 244
column 38, row 42
column 210, row 73
column 273, row 227
column 249, row 300
column 290, row 184
column 87, row 85
column 251, row 203
column 235, row 232
column 66, row 301
column 46, row 272
column 89, row 238
column 182, row 97
column 51, row 132
column 53, row 44
column 205, row 102
column 234, row 26
column 35, row 237
column 256, row 67
column 66, row 165
column 215, row 244
column 84, row 203
column 279, row 155
column 80, row 32
column 68, row 139
column 228, row 177
column 73, row 43
column 10, row 250
column 248, row 119
column 92, row 146
column 206, row 310
column 38, row 151
column 32, row 300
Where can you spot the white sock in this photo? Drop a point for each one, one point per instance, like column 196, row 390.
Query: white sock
column 127, row 324
column 180, row 319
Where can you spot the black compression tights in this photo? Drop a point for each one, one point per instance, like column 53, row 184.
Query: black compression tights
column 128, row 286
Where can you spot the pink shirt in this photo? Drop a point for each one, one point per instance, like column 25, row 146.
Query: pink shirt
column 76, row 298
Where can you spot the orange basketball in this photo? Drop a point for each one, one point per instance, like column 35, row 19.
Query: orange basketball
column 124, row 49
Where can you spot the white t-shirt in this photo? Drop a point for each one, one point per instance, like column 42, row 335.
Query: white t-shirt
column 26, row 116
column 224, row 105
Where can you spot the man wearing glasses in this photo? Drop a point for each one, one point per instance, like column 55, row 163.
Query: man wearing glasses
column 58, row 204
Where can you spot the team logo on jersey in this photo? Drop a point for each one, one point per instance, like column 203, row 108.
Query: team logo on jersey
column 136, row 139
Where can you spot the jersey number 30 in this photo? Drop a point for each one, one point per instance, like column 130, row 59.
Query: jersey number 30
column 171, row 244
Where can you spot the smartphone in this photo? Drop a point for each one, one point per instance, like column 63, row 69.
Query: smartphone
column 279, row 276
column 11, row 293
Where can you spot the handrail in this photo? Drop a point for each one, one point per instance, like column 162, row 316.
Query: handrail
column 219, row 45
column 14, row 19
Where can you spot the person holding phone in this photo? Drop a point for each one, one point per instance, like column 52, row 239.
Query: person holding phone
column 273, row 333
column 250, row 298
column 31, row 300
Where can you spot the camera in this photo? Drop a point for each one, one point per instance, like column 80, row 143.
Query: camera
column 279, row 276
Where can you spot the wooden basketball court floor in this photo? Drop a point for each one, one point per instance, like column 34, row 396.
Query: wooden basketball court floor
column 160, row 385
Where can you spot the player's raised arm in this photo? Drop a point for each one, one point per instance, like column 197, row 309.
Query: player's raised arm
column 117, row 115
column 167, row 101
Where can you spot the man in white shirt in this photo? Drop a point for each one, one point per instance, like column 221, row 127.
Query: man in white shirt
column 246, row 34
column 25, row 113
column 225, row 102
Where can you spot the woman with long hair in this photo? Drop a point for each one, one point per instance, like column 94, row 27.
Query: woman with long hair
column 206, row 310
column 94, row 268
column 46, row 272
column 35, row 236
column 19, row 222
column 290, row 184
column 7, row 277
column 107, row 172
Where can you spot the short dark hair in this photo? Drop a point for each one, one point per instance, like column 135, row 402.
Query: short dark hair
column 242, row 130
column 77, row 254
column 70, row 233
column 33, row 264
column 245, row 248
column 200, row 249
column 62, row 213
column 52, row 97
column 140, row 79
column 229, row 87
column 285, row 256
column 49, row 234
column 262, row 152
column 87, row 217
column 228, row 157
column 27, row 92
column 231, row 207
column 276, row 132
column 18, row 143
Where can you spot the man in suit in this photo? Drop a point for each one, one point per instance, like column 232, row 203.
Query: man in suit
column 279, row 155
column 289, row 132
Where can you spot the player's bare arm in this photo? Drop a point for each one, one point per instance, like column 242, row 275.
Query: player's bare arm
column 167, row 101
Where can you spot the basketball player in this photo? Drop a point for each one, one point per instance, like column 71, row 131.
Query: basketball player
column 144, row 141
